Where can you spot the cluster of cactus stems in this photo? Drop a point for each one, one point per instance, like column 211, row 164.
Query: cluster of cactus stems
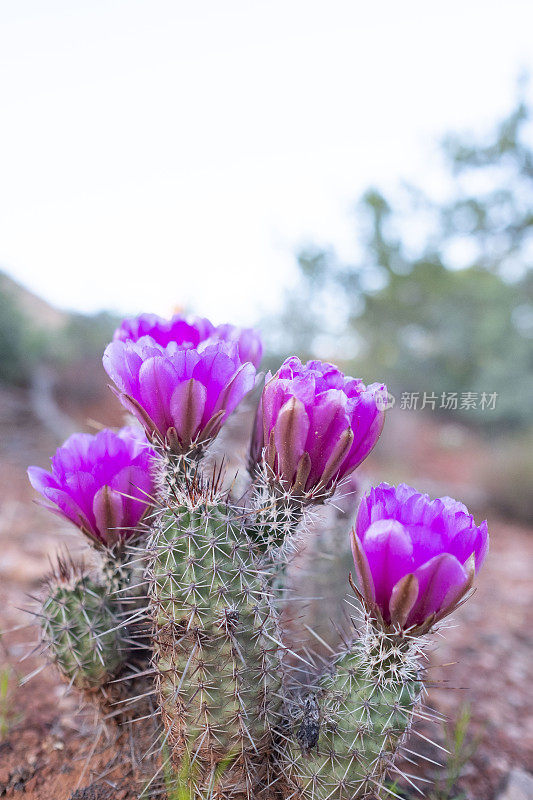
column 187, row 606
column 214, row 582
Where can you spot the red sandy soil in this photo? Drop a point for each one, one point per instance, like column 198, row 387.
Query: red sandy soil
column 44, row 754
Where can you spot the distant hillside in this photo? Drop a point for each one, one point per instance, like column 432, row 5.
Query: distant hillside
column 33, row 332
column 41, row 313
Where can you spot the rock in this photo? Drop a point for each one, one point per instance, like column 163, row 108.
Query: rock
column 518, row 786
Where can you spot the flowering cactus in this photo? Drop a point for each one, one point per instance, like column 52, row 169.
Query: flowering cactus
column 237, row 719
column 313, row 427
column 104, row 485
column 101, row 483
column 216, row 671
column 180, row 395
column 416, row 558
column 190, row 332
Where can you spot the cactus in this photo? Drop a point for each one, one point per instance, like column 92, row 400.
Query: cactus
column 214, row 641
column 81, row 628
column 200, row 603
column 368, row 701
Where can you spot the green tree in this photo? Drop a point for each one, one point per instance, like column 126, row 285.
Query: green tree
column 454, row 314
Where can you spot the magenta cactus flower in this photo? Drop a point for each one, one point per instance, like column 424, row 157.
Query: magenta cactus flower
column 247, row 339
column 190, row 332
column 416, row 558
column 101, row 483
column 314, row 425
column 185, row 331
column 181, row 396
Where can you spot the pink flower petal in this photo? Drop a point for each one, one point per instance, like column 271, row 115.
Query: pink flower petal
column 108, row 510
column 389, row 551
column 187, row 406
column 438, row 579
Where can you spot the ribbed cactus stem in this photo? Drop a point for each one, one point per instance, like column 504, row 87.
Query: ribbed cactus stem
column 275, row 524
column 214, row 644
column 81, row 629
column 368, row 702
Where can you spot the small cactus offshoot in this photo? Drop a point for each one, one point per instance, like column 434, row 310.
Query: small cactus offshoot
column 80, row 627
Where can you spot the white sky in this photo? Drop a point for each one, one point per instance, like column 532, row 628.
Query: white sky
column 158, row 153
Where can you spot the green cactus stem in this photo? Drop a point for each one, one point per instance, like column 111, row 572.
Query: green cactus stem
column 368, row 701
column 215, row 648
column 80, row 627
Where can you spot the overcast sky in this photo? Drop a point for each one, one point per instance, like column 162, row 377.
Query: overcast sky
column 157, row 154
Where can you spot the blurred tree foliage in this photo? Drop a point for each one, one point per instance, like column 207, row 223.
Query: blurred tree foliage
column 441, row 297
column 77, row 358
